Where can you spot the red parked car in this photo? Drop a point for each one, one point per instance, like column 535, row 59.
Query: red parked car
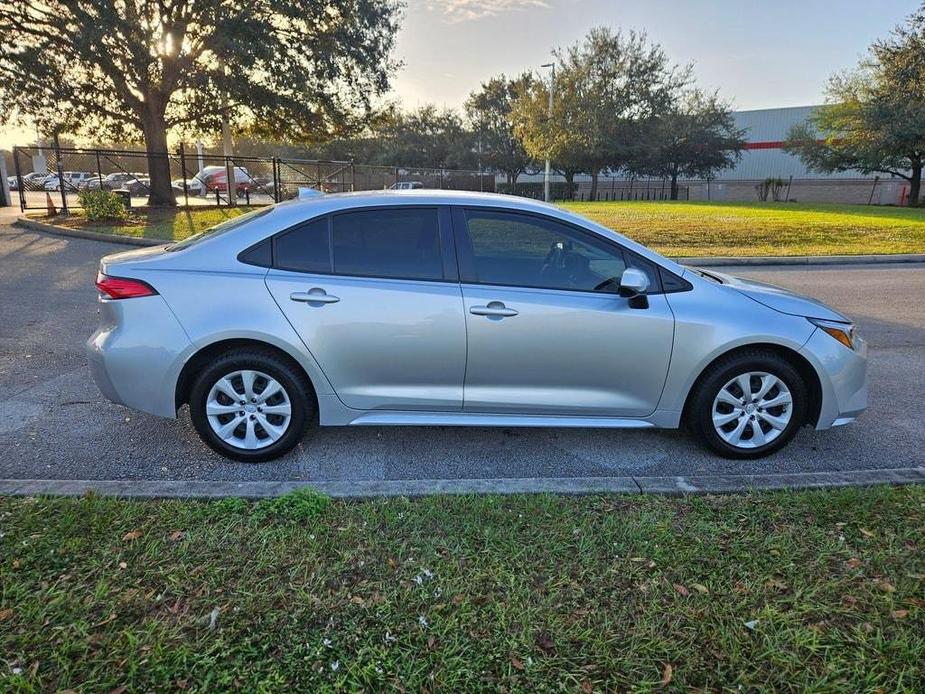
column 216, row 178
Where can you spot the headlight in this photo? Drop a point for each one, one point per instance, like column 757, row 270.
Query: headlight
column 843, row 332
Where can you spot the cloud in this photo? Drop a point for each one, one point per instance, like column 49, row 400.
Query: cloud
column 454, row 11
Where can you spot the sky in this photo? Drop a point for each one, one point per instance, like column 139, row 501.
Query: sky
column 758, row 54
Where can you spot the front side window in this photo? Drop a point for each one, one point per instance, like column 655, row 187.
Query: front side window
column 525, row 251
column 401, row 243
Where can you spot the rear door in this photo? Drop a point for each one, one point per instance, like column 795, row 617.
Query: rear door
column 547, row 331
column 375, row 297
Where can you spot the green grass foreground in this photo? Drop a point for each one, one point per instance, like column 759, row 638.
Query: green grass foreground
column 677, row 229
column 818, row 591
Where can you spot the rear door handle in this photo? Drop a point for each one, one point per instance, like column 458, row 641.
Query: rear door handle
column 494, row 308
column 315, row 295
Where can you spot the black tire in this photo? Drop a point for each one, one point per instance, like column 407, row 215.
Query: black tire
column 700, row 406
column 296, row 385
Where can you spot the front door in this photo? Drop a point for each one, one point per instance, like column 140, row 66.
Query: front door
column 547, row 331
column 373, row 299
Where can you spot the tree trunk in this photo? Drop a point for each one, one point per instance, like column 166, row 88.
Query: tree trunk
column 569, row 184
column 512, row 177
column 915, row 184
column 155, row 132
column 594, row 175
column 674, row 185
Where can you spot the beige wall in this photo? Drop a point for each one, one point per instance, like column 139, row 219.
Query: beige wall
column 857, row 191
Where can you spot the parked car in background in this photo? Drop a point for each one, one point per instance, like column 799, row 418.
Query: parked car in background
column 138, row 186
column 72, row 180
column 215, row 178
column 437, row 308
column 193, row 186
column 118, row 179
column 35, row 180
column 406, row 185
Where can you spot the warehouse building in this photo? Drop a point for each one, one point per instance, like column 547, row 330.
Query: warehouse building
column 763, row 158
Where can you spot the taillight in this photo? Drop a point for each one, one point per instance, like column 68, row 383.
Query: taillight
column 123, row 287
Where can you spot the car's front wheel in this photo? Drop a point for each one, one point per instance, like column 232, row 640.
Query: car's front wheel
column 251, row 405
column 748, row 405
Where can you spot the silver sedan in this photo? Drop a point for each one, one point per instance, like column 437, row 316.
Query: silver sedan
column 440, row 308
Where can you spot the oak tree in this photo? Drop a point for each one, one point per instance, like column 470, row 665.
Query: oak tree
column 306, row 69
column 491, row 115
column 874, row 117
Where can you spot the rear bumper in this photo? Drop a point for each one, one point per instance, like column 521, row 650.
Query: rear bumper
column 843, row 377
column 136, row 354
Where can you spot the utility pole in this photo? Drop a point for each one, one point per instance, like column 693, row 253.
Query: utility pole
column 201, row 165
column 227, row 148
column 552, row 86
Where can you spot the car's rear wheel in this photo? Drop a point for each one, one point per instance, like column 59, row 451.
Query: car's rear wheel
column 251, row 405
column 748, row 405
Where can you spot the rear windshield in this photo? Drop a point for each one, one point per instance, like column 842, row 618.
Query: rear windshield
column 219, row 229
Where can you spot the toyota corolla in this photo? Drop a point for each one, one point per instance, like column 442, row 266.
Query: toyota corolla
column 428, row 307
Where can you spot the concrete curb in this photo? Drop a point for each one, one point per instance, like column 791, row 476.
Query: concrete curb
column 698, row 484
column 719, row 261
column 34, row 225
column 723, row 261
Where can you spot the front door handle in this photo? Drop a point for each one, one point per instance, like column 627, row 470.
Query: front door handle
column 494, row 308
column 315, row 295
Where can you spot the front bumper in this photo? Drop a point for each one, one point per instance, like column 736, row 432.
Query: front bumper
column 137, row 352
column 842, row 375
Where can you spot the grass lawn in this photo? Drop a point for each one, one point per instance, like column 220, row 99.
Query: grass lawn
column 801, row 591
column 676, row 229
column 162, row 224
column 736, row 229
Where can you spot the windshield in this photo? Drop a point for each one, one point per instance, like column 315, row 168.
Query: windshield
column 219, row 229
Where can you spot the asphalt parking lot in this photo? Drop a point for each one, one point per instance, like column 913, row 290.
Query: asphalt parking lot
column 55, row 424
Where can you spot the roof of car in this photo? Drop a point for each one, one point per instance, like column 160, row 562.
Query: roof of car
column 419, row 196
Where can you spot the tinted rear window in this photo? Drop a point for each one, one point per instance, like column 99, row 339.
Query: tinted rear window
column 305, row 248
column 401, row 243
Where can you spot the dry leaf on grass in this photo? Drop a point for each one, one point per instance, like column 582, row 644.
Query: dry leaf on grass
column 517, row 663
column 131, row 535
column 681, row 590
column 545, row 643
column 886, row 586
column 667, row 674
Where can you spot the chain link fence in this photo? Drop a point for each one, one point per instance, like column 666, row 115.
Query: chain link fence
column 56, row 176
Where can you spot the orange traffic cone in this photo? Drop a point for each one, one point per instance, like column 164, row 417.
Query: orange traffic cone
column 52, row 212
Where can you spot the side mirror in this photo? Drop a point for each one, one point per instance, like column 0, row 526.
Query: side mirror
column 633, row 286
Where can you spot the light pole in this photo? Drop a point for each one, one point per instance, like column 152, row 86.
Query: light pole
column 552, row 86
